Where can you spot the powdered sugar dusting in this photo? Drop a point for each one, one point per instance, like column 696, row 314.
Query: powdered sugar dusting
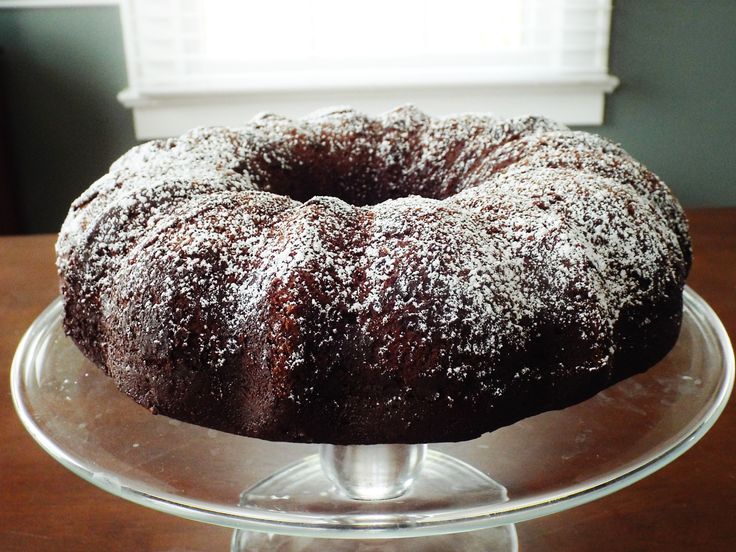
column 465, row 245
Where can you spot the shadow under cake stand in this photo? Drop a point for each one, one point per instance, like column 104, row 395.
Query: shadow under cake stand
column 450, row 496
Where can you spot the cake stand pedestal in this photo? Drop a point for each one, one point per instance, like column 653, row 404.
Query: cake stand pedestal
column 287, row 496
column 376, row 473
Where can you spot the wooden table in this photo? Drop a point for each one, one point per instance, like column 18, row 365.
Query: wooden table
column 688, row 505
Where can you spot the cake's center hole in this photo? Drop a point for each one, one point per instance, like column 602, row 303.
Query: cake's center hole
column 354, row 180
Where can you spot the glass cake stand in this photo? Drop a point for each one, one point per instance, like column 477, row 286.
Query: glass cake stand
column 287, row 496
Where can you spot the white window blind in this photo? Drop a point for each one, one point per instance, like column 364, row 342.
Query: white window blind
column 182, row 52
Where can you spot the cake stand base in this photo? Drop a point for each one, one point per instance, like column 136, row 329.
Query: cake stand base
column 495, row 539
column 381, row 477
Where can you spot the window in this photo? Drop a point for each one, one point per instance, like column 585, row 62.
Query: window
column 196, row 62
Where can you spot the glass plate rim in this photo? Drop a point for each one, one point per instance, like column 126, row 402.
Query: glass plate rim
column 472, row 518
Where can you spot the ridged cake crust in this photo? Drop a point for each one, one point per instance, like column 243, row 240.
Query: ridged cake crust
column 352, row 280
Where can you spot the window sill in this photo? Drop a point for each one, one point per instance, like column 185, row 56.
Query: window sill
column 573, row 101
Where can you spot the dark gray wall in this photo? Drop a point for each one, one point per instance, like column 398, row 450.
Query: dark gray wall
column 675, row 109
column 61, row 69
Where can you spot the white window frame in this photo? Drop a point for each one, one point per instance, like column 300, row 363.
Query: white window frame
column 27, row 4
column 575, row 99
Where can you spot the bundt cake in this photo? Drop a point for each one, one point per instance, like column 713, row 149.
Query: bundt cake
column 348, row 279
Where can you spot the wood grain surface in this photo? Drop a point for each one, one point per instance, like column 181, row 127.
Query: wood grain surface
column 688, row 505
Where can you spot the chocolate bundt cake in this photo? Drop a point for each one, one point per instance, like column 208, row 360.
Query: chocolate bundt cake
column 348, row 279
